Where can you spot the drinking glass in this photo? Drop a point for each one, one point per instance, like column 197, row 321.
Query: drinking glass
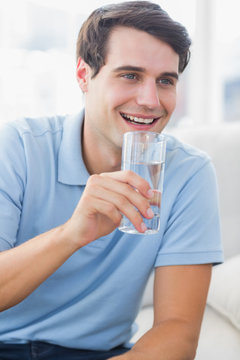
column 144, row 153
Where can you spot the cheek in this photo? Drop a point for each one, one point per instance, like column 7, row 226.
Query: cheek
column 169, row 101
column 118, row 94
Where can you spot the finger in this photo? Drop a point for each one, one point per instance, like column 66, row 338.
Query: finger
column 121, row 194
column 110, row 211
column 133, row 179
column 120, row 201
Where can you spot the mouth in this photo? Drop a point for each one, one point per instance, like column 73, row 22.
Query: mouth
column 139, row 120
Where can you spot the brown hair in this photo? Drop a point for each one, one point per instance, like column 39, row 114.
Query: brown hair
column 141, row 15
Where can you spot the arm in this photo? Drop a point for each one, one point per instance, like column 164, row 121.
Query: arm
column 106, row 196
column 181, row 291
column 179, row 300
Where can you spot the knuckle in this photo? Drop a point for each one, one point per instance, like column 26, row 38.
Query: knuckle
column 129, row 174
column 138, row 219
column 92, row 188
column 144, row 185
column 146, row 204
column 110, row 208
column 113, row 213
column 86, row 198
column 93, row 179
column 122, row 202
column 117, row 218
column 142, row 203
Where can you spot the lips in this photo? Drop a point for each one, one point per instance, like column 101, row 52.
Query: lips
column 139, row 120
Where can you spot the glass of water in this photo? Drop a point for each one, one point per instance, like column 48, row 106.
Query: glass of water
column 144, row 153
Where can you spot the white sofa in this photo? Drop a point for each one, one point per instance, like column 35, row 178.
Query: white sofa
column 220, row 332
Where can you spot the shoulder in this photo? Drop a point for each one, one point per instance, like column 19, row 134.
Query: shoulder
column 28, row 135
column 188, row 171
column 25, row 139
column 33, row 126
column 182, row 150
column 184, row 159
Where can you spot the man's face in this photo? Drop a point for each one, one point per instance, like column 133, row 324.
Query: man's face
column 134, row 90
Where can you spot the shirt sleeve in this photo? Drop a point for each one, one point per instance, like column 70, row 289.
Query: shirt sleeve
column 192, row 232
column 12, row 184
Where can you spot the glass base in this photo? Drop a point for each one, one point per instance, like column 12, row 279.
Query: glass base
column 132, row 230
column 153, row 226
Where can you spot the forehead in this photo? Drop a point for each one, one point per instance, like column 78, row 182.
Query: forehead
column 128, row 46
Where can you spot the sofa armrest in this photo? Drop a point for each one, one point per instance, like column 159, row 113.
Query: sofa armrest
column 144, row 322
column 219, row 339
column 224, row 292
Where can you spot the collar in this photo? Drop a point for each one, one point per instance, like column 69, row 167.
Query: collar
column 71, row 167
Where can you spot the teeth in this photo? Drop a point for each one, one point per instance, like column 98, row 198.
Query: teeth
column 138, row 120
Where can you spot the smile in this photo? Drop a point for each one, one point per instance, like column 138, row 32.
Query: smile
column 138, row 120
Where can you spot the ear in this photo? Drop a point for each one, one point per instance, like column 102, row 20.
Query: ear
column 82, row 74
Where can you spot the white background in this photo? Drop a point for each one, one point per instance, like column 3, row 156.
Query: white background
column 37, row 58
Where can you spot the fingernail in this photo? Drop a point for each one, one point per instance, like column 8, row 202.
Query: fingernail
column 143, row 227
column 150, row 213
column 150, row 193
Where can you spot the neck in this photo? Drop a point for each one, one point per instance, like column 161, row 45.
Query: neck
column 99, row 156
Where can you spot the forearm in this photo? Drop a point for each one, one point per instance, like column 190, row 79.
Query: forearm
column 25, row 267
column 170, row 340
column 98, row 213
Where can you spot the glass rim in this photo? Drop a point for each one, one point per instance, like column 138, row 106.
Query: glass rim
column 157, row 135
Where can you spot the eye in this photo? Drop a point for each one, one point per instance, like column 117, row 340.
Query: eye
column 166, row 81
column 129, row 76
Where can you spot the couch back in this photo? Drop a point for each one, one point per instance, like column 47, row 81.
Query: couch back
column 222, row 143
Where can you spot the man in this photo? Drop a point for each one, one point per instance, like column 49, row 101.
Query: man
column 70, row 282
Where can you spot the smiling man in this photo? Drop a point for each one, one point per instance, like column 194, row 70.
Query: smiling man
column 135, row 90
column 71, row 283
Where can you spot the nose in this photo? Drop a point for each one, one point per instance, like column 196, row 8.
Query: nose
column 148, row 94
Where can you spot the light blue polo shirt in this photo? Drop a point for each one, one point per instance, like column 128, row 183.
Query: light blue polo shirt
column 92, row 300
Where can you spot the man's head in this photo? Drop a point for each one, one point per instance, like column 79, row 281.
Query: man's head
column 129, row 57
column 92, row 44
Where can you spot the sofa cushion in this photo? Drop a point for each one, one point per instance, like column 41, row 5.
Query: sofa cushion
column 224, row 292
column 148, row 293
column 219, row 339
column 144, row 322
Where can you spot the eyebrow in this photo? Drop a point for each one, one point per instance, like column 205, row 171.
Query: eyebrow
column 141, row 69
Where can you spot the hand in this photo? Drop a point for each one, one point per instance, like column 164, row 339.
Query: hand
column 106, row 197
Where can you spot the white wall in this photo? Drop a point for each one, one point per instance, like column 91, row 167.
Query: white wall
column 37, row 57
